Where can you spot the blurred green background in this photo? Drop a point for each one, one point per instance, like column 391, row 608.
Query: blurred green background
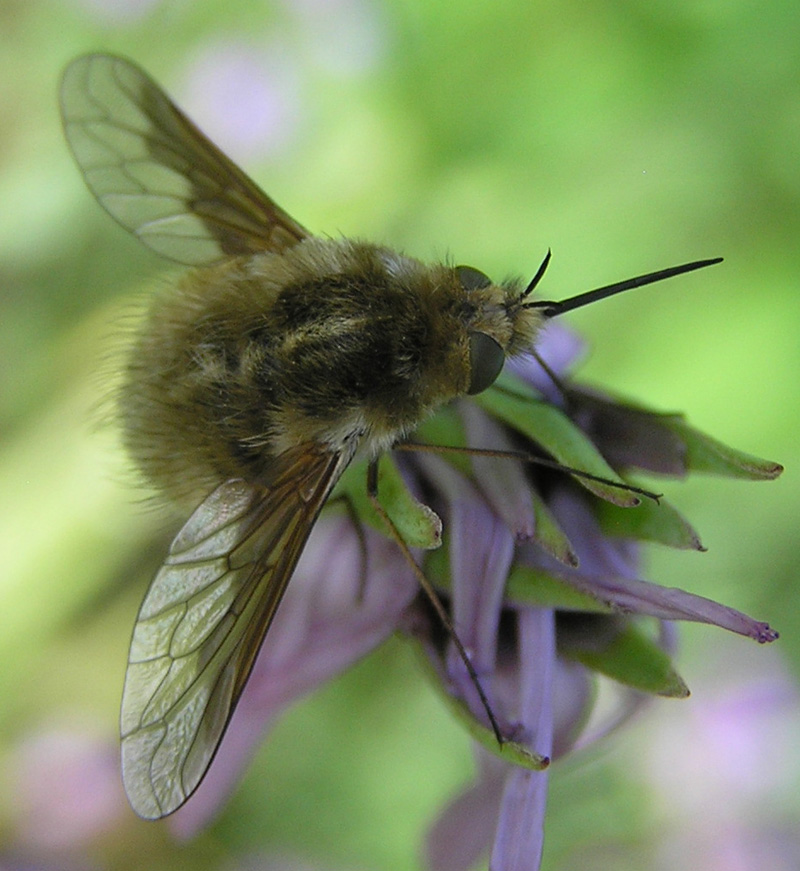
column 627, row 137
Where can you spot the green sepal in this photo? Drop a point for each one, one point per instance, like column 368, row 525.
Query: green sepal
column 445, row 429
column 549, row 427
column 706, row 454
column 510, row 383
column 688, row 449
column 418, row 524
column 549, row 535
column 540, row 589
column 627, row 655
column 651, row 521
column 524, row 586
column 510, row 751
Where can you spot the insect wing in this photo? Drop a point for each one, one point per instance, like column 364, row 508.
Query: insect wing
column 203, row 619
column 156, row 174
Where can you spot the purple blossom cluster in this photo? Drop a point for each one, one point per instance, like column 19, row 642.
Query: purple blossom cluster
column 539, row 570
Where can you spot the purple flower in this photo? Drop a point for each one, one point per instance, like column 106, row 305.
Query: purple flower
column 539, row 572
column 246, row 95
column 67, row 792
column 542, row 596
column 728, row 769
column 326, row 622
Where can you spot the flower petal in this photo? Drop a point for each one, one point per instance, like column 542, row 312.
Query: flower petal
column 502, row 479
column 597, row 554
column 463, row 833
column 520, row 834
column 606, row 573
column 505, row 483
column 669, row 603
column 520, row 831
column 559, row 347
column 481, row 549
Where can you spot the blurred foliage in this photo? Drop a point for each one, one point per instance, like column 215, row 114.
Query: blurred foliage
column 625, row 136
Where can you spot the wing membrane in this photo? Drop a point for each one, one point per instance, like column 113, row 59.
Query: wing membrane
column 156, row 174
column 203, row 620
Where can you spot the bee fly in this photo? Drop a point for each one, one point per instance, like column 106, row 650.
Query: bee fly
column 248, row 390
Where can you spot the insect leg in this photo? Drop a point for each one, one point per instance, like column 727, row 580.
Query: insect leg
column 525, row 457
column 430, row 592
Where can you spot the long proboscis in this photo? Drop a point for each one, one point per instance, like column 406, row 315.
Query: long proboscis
column 552, row 309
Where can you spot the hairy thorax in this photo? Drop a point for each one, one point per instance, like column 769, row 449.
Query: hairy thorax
column 330, row 342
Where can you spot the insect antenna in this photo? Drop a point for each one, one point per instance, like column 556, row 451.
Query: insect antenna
column 551, row 309
column 537, row 278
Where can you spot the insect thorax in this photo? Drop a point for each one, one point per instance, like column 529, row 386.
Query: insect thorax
column 328, row 340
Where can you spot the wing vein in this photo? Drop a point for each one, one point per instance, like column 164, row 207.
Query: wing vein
column 204, row 619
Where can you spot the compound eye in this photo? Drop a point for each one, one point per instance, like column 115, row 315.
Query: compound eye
column 472, row 279
column 486, row 359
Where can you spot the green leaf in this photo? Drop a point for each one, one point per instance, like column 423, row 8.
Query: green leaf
column 525, row 586
column 650, row 521
column 549, row 427
column 628, row 655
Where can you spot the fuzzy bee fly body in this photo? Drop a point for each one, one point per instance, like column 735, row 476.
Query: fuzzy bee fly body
column 329, row 342
column 249, row 388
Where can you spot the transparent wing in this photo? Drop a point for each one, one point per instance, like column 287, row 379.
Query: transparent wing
column 155, row 173
column 203, row 620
